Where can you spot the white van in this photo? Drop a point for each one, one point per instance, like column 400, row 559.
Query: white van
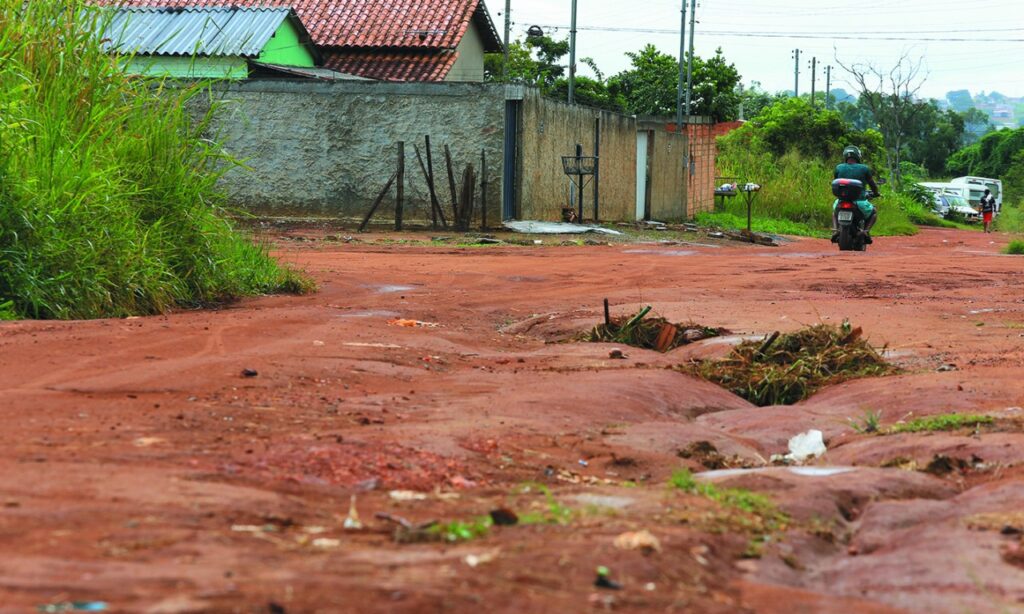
column 952, row 196
column 977, row 187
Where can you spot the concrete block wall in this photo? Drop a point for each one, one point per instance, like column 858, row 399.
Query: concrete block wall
column 327, row 148
column 551, row 129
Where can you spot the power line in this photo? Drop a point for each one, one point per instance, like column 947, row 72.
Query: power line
column 808, row 36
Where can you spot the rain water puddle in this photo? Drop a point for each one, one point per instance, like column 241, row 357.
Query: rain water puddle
column 392, row 289
column 371, row 313
column 661, row 252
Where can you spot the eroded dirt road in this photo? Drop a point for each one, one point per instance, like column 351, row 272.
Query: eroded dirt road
column 139, row 467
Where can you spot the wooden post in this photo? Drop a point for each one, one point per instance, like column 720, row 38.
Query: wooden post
column 376, row 203
column 468, row 188
column 483, row 189
column 451, row 183
column 400, row 196
column 435, row 206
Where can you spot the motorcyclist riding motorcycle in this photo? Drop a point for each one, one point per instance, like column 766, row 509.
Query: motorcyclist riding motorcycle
column 852, row 168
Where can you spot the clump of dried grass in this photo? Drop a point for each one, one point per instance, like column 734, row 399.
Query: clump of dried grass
column 652, row 333
column 786, row 369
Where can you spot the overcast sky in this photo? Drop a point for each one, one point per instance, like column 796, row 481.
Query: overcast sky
column 759, row 36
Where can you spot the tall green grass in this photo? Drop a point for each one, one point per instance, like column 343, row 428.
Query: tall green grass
column 108, row 197
column 796, row 188
column 1010, row 219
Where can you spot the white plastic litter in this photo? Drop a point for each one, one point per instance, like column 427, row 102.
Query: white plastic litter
column 556, row 228
column 806, row 446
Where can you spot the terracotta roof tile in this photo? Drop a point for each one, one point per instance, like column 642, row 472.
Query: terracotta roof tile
column 405, row 24
column 392, row 65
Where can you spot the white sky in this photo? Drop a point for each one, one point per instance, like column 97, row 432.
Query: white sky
column 973, row 65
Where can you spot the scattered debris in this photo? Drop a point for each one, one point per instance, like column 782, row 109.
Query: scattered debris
column 804, row 447
column 326, row 543
column 643, row 541
column 74, row 606
column 413, row 323
column 705, row 453
column 555, row 228
column 407, row 495
column 352, row 522
column 604, row 581
column 504, row 517
column 250, row 372
column 648, row 333
column 947, row 368
column 617, row 354
column 785, row 369
column 475, row 560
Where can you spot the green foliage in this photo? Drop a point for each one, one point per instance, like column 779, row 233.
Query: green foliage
column 755, row 100
column 759, row 223
column 461, row 531
column 792, row 124
column 536, row 62
column 733, row 498
column 589, row 92
column 1015, row 248
column 110, row 204
column 7, row 310
column 944, row 422
column 649, row 86
column 992, row 156
column 1010, row 219
column 795, row 196
column 960, row 100
column 870, row 422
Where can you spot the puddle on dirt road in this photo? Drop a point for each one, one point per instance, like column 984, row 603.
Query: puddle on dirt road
column 807, row 472
column 662, row 252
column 370, row 313
column 524, row 279
column 391, row 289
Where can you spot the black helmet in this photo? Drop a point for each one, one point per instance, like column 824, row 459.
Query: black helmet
column 851, row 151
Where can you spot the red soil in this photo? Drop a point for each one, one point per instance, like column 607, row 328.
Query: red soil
column 139, row 467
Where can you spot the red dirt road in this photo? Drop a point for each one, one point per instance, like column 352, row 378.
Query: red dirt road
column 139, row 467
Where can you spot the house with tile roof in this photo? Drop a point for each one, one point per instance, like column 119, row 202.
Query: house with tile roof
column 386, row 40
column 215, row 42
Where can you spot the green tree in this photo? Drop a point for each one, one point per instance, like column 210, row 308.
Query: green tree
column 649, row 87
column 792, row 124
column 754, row 100
column 536, row 62
column 960, row 100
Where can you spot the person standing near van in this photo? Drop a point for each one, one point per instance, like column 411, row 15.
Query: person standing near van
column 988, row 209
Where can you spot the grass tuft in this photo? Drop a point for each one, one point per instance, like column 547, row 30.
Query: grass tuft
column 733, row 498
column 1015, row 248
column 944, row 422
column 110, row 205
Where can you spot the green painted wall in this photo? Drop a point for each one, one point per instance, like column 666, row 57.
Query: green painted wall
column 188, row 67
column 285, row 48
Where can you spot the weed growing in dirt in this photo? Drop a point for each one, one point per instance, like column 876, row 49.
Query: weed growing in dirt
column 649, row 333
column 734, row 498
column 870, row 422
column 553, row 512
column 785, row 369
column 461, row 531
column 1015, row 248
column 110, row 203
column 944, row 422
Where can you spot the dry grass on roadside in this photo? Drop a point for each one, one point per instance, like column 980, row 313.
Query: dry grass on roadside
column 786, row 369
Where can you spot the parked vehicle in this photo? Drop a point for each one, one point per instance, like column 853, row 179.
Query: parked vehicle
column 852, row 233
column 946, row 202
column 977, row 187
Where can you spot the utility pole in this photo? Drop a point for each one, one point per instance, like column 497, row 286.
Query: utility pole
column 814, row 77
column 689, row 61
column 796, row 84
column 508, row 33
column 828, row 86
column 572, row 57
column 682, row 57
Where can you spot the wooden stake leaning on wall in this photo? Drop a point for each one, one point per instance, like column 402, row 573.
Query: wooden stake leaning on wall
column 400, row 196
column 483, row 189
column 376, row 203
column 468, row 189
column 451, row 184
column 435, row 205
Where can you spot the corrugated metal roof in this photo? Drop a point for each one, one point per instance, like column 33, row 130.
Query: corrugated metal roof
column 406, row 24
column 193, row 31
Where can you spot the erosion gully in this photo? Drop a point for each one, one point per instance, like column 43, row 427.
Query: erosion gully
column 140, row 467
